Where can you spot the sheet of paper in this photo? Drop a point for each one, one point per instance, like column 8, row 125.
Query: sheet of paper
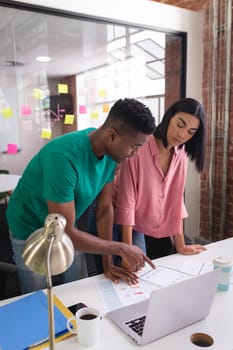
column 197, row 267
column 147, row 268
column 164, row 276
column 114, row 296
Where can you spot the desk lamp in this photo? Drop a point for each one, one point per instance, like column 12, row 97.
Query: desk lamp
column 49, row 251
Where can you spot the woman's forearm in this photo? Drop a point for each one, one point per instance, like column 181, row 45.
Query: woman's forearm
column 126, row 233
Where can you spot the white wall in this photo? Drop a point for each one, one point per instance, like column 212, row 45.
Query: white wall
column 165, row 18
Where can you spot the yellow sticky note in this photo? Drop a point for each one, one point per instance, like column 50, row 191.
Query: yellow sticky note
column 38, row 94
column 46, row 133
column 105, row 108
column 62, row 88
column 69, row 119
column 7, row 112
column 102, row 93
column 94, row 114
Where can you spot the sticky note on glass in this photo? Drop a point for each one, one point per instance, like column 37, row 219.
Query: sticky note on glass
column 62, row 88
column 82, row 109
column 7, row 112
column 105, row 108
column 26, row 110
column 94, row 114
column 69, row 119
column 102, row 93
column 38, row 94
column 27, row 125
column 46, row 133
column 12, row 148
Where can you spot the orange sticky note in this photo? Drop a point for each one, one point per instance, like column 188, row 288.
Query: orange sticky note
column 12, row 148
column 105, row 108
column 69, row 119
column 46, row 133
column 7, row 112
column 62, row 88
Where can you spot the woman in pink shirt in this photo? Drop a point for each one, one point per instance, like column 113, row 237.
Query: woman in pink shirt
column 150, row 189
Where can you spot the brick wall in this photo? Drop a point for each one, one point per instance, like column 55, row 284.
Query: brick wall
column 216, row 207
column 173, row 66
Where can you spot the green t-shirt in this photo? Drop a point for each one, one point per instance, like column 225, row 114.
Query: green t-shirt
column 65, row 169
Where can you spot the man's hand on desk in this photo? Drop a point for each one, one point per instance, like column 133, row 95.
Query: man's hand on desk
column 115, row 273
column 133, row 260
column 134, row 257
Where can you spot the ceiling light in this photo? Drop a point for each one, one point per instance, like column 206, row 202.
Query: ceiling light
column 43, row 59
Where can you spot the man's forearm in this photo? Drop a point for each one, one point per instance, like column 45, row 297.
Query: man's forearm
column 89, row 243
column 104, row 225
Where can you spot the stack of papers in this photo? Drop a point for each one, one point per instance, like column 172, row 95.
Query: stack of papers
column 24, row 322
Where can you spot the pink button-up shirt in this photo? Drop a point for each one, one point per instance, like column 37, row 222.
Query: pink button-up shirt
column 146, row 199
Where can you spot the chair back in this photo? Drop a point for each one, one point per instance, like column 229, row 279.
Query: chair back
column 4, row 195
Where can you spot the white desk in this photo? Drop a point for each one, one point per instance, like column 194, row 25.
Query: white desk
column 8, row 182
column 218, row 324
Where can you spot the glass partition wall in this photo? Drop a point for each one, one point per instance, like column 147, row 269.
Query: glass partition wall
column 59, row 74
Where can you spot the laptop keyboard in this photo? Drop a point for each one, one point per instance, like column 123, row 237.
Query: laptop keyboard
column 137, row 324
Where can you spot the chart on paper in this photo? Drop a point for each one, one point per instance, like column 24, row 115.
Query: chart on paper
column 114, row 296
column 164, row 276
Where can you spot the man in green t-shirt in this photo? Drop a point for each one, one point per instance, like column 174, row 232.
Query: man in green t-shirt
column 65, row 176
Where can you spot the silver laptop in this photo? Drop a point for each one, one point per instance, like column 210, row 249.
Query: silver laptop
column 168, row 309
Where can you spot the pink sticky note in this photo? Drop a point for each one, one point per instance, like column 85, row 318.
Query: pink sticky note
column 12, row 148
column 82, row 109
column 26, row 110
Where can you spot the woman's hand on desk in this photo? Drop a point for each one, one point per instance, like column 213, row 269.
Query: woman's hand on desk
column 190, row 249
column 186, row 249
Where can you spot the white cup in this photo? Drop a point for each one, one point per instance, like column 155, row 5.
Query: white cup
column 86, row 324
column 224, row 264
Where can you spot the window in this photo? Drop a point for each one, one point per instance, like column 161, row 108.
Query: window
column 60, row 74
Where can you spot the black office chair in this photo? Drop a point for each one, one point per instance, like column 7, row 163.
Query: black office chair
column 9, row 280
column 4, row 195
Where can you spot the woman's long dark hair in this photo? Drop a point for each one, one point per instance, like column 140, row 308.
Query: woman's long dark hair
column 195, row 147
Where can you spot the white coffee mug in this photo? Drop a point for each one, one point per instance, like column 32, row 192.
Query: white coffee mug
column 86, row 324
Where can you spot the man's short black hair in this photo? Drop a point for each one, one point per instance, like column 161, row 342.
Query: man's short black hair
column 131, row 114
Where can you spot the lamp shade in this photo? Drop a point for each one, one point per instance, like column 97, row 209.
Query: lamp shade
column 37, row 245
